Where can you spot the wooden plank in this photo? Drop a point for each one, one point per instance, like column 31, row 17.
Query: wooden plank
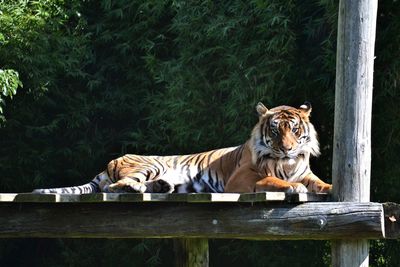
column 100, row 197
column 153, row 197
column 38, row 198
column 213, row 197
column 28, row 197
column 65, row 198
column 7, row 197
column 263, row 197
column 309, row 197
column 256, row 220
column 351, row 162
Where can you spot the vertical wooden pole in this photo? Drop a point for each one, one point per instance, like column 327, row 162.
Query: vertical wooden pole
column 353, row 109
column 191, row 252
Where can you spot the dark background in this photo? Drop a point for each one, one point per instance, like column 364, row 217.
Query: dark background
column 102, row 78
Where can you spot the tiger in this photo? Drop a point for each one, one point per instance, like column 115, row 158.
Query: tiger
column 274, row 158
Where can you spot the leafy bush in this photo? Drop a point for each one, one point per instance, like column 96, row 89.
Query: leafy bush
column 9, row 82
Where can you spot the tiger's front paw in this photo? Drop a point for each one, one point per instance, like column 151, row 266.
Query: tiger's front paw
column 325, row 188
column 297, row 188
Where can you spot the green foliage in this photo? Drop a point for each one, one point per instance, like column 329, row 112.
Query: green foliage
column 386, row 110
column 104, row 78
column 41, row 39
column 228, row 56
column 85, row 252
column 44, row 42
column 9, row 82
column 271, row 253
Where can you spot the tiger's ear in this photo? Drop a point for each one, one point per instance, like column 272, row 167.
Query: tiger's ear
column 261, row 109
column 306, row 108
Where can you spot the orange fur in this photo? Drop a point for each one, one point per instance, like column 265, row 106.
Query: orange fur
column 264, row 171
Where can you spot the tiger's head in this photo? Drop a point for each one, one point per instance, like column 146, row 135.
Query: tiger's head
column 283, row 132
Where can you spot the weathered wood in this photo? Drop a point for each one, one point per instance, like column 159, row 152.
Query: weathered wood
column 188, row 252
column 353, row 108
column 255, row 220
column 350, row 253
column 353, row 100
column 147, row 197
column 191, row 252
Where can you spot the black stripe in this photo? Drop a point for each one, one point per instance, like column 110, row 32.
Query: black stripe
column 305, row 169
column 216, row 184
column 175, row 163
column 198, row 176
column 238, row 155
column 209, row 157
column 188, row 172
column 197, row 159
column 157, row 173
column 115, row 169
column 144, row 172
column 210, row 178
column 281, row 174
column 199, row 162
column 154, row 171
column 160, row 164
column 64, row 191
column 262, row 130
column 109, row 176
column 187, row 159
column 285, row 173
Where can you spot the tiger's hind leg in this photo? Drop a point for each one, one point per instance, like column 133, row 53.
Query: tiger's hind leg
column 136, row 177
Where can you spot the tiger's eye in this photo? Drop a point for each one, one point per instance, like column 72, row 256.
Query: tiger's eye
column 294, row 129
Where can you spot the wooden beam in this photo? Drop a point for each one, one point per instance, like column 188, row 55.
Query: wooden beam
column 240, row 220
column 353, row 108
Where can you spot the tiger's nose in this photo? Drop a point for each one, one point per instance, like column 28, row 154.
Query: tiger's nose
column 287, row 148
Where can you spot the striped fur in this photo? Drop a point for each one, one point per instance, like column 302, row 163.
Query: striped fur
column 275, row 158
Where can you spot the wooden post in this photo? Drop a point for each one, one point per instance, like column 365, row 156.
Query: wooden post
column 353, row 109
column 191, row 252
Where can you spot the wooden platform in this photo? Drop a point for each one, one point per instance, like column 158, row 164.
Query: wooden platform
column 260, row 216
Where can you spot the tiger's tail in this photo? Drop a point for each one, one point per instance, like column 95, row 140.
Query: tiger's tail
column 94, row 186
column 74, row 190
